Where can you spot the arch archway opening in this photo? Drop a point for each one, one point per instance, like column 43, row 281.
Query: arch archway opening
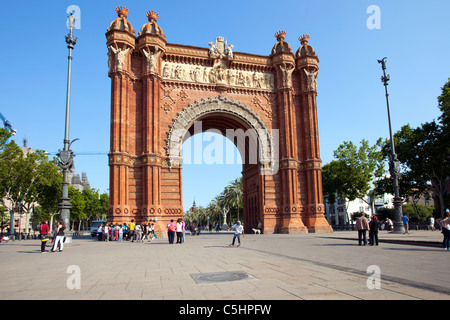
column 217, row 151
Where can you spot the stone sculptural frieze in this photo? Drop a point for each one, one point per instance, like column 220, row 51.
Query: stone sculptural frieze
column 217, row 75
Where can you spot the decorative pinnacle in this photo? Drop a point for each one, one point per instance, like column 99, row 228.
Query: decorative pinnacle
column 122, row 11
column 152, row 16
column 280, row 35
column 304, row 39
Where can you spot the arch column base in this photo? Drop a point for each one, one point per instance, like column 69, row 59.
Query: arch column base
column 317, row 223
column 292, row 224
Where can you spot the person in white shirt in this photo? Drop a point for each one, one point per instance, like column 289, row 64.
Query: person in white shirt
column 138, row 232
column 238, row 230
column 99, row 232
column 179, row 231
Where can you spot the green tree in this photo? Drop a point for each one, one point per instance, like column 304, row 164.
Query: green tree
column 216, row 210
column 384, row 213
column 4, row 136
column 78, row 204
column 351, row 173
column 103, row 206
column 234, row 195
column 20, row 176
column 444, row 106
column 417, row 212
column 4, row 216
column 92, row 205
column 49, row 193
column 424, row 157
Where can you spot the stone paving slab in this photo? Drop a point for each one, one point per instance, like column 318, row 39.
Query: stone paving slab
column 282, row 267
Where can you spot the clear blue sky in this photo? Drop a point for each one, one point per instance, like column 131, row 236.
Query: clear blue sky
column 351, row 101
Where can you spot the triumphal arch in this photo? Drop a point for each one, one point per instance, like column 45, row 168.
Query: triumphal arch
column 161, row 93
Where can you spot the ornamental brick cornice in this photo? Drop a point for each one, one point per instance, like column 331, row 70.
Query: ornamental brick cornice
column 120, row 36
column 123, row 73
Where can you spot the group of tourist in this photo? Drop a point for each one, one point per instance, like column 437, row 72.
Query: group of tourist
column 132, row 232
column 57, row 236
column 363, row 225
column 177, row 228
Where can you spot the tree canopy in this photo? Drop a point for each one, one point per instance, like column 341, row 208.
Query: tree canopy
column 30, row 182
column 424, row 156
column 351, row 173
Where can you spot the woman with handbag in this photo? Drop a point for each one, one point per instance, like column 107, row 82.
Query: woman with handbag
column 60, row 228
column 43, row 234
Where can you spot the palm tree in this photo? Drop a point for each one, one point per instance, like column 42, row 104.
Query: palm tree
column 234, row 194
column 214, row 209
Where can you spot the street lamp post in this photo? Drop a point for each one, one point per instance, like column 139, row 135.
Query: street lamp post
column 66, row 155
column 394, row 166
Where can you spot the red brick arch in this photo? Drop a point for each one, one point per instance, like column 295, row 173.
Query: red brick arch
column 227, row 115
column 159, row 89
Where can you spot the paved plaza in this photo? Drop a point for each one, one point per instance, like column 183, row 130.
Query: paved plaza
column 265, row 267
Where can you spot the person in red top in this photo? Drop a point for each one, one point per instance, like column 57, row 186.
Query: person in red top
column 43, row 232
column 171, row 231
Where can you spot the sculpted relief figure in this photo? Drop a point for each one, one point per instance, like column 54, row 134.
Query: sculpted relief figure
column 120, row 56
column 109, row 60
column 230, row 51
column 220, row 48
column 311, row 78
column 179, row 73
column 166, row 71
column 212, row 48
column 152, row 59
column 196, row 74
column 287, row 72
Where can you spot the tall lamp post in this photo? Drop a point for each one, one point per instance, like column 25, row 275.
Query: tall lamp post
column 394, row 166
column 65, row 156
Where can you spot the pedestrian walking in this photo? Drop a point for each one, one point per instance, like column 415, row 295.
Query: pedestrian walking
column 144, row 232
column 43, row 234
column 362, row 225
column 373, row 231
column 59, row 240
column 238, row 230
column 171, row 231
column 445, row 224
column 432, row 224
column 405, row 223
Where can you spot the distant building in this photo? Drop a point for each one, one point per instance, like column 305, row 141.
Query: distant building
column 193, row 208
column 77, row 182
column 340, row 212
